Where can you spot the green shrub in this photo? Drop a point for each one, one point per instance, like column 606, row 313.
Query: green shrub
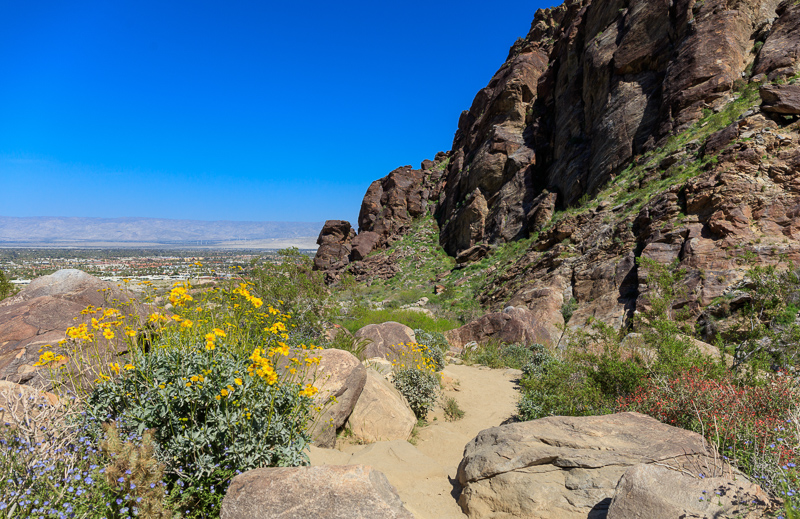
column 561, row 388
column 432, row 339
column 208, row 409
column 419, row 387
column 495, row 354
column 452, row 411
column 294, row 287
column 435, row 345
column 568, row 308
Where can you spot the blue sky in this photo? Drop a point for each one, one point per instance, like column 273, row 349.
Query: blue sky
column 249, row 111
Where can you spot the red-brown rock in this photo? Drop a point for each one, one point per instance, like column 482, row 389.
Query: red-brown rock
column 781, row 99
column 40, row 314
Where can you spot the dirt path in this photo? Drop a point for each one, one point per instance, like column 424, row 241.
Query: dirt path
column 425, row 474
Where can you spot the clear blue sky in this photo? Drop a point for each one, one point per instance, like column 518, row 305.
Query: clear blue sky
column 233, row 110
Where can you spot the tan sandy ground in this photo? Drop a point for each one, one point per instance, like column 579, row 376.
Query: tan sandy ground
column 425, row 474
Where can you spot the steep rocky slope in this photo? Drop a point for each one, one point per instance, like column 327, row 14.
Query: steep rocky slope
column 615, row 130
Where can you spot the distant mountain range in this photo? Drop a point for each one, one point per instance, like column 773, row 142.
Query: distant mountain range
column 147, row 232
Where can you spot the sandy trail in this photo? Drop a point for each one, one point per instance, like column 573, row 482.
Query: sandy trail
column 425, row 474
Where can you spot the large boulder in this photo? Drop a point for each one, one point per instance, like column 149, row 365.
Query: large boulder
column 363, row 244
column 387, row 340
column 781, row 99
column 513, row 324
column 381, row 413
column 39, row 315
column 568, row 467
column 334, row 245
column 340, row 379
column 325, row 492
column 657, row 492
column 780, row 55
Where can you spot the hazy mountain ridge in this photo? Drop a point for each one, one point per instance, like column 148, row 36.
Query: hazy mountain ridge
column 157, row 230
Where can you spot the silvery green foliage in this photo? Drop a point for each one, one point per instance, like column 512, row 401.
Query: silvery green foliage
column 420, row 388
column 436, row 346
column 228, row 421
column 539, row 356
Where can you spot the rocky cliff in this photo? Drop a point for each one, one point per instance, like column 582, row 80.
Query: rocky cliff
column 617, row 130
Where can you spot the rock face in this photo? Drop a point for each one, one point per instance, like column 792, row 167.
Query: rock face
column 381, row 413
column 387, row 211
column 334, row 245
column 594, row 139
column 342, row 376
column 326, row 492
column 40, row 314
column 781, row 99
column 568, row 467
column 780, row 55
column 592, row 85
column 653, row 491
column 387, row 339
column 512, row 325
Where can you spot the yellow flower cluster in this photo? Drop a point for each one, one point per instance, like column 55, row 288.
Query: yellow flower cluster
column 80, row 333
column 179, row 296
column 48, row 357
column 262, row 367
column 309, row 391
column 211, row 337
column 157, row 317
column 413, row 356
column 242, row 291
column 185, row 323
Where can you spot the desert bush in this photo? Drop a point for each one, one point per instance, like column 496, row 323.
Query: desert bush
column 53, row 467
column 294, row 287
column 432, row 339
column 361, row 316
column 751, row 425
column 539, row 358
column 495, row 354
column 420, row 387
column 452, row 411
column 561, row 388
column 216, row 384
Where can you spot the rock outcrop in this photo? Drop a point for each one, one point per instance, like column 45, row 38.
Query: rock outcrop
column 569, row 467
column 326, row 492
column 387, row 211
column 512, row 325
column 340, row 379
column 386, row 340
column 335, row 244
column 40, row 314
column 655, row 491
column 381, row 413
column 616, row 132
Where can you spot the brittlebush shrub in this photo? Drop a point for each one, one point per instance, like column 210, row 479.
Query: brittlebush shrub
column 415, row 376
column 215, row 384
column 419, row 387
